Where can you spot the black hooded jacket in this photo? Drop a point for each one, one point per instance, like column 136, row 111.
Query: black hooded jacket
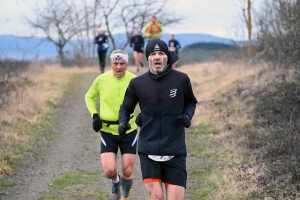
column 162, row 99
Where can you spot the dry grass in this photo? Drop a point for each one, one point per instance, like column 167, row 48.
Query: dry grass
column 214, row 84
column 214, row 81
column 211, row 80
column 27, row 105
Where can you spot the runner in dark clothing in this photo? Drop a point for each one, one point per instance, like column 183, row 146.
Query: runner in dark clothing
column 167, row 105
column 137, row 42
column 102, row 41
column 174, row 46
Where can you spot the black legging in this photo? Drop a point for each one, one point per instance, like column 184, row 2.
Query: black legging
column 101, row 56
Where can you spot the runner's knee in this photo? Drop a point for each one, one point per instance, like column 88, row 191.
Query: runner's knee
column 111, row 174
column 127, row 171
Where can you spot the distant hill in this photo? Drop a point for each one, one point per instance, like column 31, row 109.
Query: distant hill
column 210, row 46
column 28, row 48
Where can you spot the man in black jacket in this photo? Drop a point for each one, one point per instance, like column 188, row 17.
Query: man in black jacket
column 137, row 43
column 167, row 104
column 102, row 41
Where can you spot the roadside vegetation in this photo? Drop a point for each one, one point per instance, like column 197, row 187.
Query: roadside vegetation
column 244, row 139
column 27, row 110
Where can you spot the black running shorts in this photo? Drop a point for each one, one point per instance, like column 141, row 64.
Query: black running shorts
column 126, row 143
column 138, row 49
column 170, row 172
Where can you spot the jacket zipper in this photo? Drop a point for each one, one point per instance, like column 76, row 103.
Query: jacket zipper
column 159, row 108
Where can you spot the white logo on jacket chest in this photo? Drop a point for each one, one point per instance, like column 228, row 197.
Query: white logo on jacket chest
column 173, row 92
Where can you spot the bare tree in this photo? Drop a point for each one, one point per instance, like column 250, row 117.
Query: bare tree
column 78, row 20
column 246, row 7
column 129, row 15
column 53, row 20
column 95, row 14
column 62, row 21
column 278, row 38
column 108, row 8
column 136, row 14
column 84, row 18
column 87, row 25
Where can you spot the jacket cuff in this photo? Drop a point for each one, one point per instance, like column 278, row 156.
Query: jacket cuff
column 95, row 115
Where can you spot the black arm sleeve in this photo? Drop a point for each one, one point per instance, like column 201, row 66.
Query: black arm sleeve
column 128, row 105
column 142, row 41
column 178, row 45
column 190, row 100
column 96, row 40
column 131, row 41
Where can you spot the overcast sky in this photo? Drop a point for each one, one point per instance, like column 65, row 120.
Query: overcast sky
column 215, row 17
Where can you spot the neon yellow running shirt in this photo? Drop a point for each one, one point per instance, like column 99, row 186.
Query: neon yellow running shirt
column 111, row 91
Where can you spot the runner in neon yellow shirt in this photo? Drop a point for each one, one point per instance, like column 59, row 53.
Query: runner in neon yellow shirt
column 153, row 29
column 110, row 88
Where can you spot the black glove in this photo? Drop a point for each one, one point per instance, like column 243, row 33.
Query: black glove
column 97, row 123
column 185, row 120
column 123, row 127
column 138, row 120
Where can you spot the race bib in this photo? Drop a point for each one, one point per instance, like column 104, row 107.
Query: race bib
column 172, row 48
column 160, row 158
column 105, row 46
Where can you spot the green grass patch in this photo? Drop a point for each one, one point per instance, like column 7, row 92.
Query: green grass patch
column 36, row 134
column 77, row 184
column 208, row 155
column 75, row 82
column 13, row 160
column 73, row 178
column 204, row 187
column 198, row 142
column 51, row 103
column 5, row 184
column 51, row 197
column 201, row 146
column 206, row 129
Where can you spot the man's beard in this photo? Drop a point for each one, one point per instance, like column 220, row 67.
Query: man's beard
column 158, row 70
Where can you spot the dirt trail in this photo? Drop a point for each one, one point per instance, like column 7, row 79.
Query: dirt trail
column 76, row 147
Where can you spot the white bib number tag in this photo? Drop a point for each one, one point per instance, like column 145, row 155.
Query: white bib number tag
column 172, row 48
column 160, row 158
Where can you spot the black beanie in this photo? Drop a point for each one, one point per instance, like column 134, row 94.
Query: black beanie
column 157, row 45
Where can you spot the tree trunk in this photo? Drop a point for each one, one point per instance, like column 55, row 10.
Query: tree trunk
column 61, row 55
column 94, row 28
column 249, row 27
column 87, row 29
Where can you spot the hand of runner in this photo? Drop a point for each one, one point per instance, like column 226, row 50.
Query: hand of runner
column 97, row 123
column 123, row 127
column 138, row 120
column 184, row 120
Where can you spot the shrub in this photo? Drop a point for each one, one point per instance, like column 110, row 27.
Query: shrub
column 10, row 69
